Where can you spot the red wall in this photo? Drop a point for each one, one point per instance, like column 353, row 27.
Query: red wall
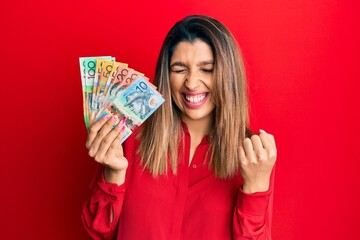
column 303, row 65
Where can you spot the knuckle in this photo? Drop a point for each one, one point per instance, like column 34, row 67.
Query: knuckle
column 112, row 147
column 91, row 153
column 101, row 134
column 254, row 137
column 106, row 141
column 97, row 158
column 261, row 156
column 264, row 139
column 93, row 129
column 272, row 153
column 246, row 141
column 243, row 163
column 243, row 160
column 253, row 161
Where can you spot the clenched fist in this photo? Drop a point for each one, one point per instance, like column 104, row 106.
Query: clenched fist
column 258, row 157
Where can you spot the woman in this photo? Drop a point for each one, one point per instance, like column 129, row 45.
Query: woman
column 192, row 171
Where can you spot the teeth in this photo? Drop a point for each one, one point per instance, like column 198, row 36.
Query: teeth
column 195, row 99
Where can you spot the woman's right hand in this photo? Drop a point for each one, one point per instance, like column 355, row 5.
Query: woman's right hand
column 104, row 146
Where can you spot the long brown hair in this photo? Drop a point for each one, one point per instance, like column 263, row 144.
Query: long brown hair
column 161, row 133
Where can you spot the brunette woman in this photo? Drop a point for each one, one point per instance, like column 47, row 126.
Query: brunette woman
column 193, row 170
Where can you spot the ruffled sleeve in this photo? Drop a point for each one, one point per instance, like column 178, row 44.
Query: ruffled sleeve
column 106, row 199
column 253, row 214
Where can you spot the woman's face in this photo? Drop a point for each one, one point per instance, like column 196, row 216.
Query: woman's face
column 191, row 79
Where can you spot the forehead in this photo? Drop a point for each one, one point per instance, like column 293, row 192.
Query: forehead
column 192, row 52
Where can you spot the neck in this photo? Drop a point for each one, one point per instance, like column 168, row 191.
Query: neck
column 198, row 128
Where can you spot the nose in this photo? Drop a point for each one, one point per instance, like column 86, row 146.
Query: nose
column 192, row 81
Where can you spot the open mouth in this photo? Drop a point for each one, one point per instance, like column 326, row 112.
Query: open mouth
column 195, row 98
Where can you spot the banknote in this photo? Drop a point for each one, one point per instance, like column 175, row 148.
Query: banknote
column 121, row 84
column 83, row 84
column 98, row 73
column 135, row 104
column 106, row 68
column 112, row 88
column 88, row 68
column 140, row 99
column 116, row 88
column 129, row 79
column 112, row 76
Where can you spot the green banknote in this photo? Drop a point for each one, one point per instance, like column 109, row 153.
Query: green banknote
column 87, row 69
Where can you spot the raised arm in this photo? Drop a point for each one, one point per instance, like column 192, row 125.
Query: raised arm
column 253, row 211
column 101, row 212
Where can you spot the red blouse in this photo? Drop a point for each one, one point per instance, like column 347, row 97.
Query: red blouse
column 192, row 204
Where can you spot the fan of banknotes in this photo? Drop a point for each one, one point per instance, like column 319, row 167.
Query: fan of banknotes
column 111, row 87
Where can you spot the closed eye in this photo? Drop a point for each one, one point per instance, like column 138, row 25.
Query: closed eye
column 178, row 70
column 207, row 70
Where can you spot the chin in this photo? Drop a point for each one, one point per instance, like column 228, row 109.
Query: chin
column 198, row 115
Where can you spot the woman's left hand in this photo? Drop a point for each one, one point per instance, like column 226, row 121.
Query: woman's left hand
column 258, row 157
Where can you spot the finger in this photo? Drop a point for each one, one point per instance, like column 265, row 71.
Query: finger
column 249, row 150
column 269, row 146
column 256, row 142
column 105, row 129
column 242, row 156
column 267, row 139
column 107, row 141
column 259, row 150
column 117, row 141
column 94, row 130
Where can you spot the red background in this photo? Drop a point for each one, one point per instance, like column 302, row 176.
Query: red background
column 302, row 58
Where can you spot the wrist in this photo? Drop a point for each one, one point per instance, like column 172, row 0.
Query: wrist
column 255, row 187
column 114, row 176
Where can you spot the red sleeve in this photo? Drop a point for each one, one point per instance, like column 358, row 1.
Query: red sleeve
column 253, row 214
column 96, row 212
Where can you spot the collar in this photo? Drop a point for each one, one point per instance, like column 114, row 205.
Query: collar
column 205, row 139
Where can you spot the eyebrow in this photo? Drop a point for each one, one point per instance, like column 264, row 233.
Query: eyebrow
column 181, row 64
